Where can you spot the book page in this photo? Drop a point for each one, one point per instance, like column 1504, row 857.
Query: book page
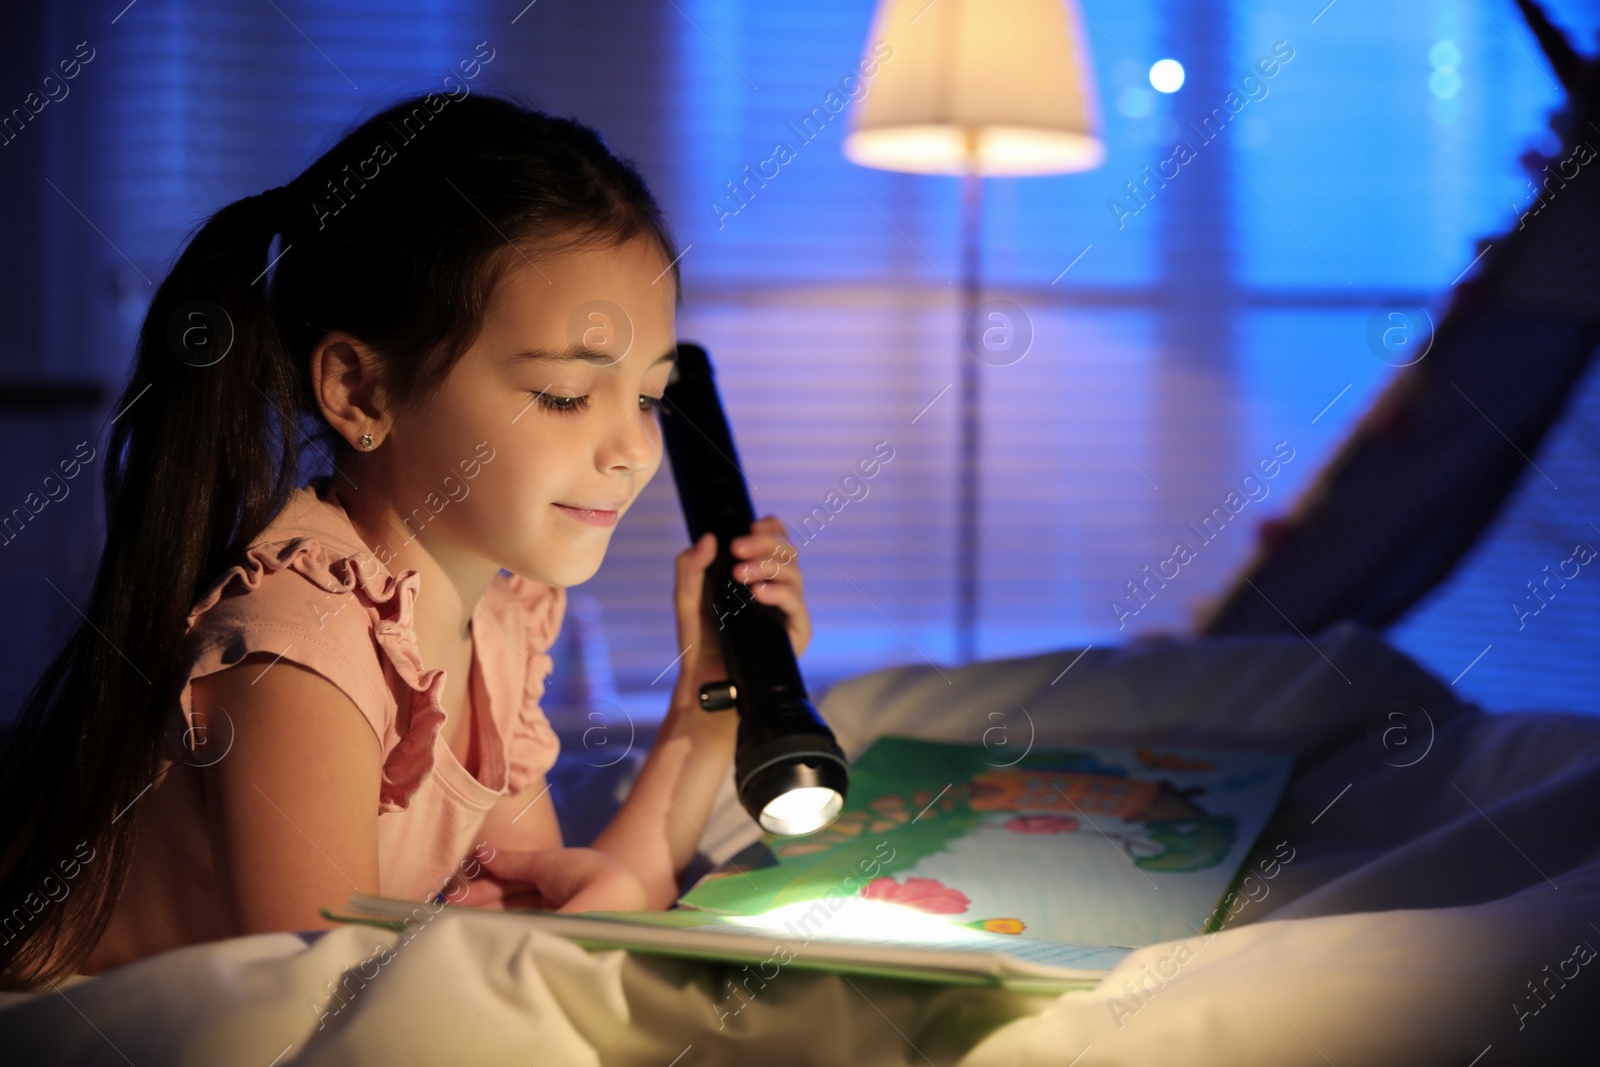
column 868, row 928
column 1105, row 846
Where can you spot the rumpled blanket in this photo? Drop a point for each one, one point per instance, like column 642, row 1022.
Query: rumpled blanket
column 1439, row 904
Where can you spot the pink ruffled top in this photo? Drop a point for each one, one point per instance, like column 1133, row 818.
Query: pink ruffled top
column 310, row 591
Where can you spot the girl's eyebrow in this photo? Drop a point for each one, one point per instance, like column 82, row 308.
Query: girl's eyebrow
column 588, row 355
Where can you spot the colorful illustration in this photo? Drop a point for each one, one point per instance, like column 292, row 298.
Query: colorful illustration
column 926, row 894
column 1040, row 824
column 1107, row 846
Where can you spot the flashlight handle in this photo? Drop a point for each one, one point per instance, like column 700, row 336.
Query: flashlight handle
column 783, row 744
column 715, row 498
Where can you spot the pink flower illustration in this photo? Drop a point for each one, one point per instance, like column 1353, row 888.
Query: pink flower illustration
column 1041, row 824
column 924, row 894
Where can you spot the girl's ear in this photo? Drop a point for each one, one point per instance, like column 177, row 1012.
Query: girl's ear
column 345, row 378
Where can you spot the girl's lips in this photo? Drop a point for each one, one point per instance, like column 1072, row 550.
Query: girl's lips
column 590, row 516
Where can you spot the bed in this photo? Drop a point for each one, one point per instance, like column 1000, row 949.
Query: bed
column 1440, row 906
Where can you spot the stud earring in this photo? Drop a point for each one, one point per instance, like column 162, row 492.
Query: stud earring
column 367, row 441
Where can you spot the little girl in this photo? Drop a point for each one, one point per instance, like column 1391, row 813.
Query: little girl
column 287, row 688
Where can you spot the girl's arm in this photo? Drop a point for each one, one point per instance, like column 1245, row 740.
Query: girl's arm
column 523, row 821
column 658, row 828
column 294, row 812
column 294, row 802
column 520, row 862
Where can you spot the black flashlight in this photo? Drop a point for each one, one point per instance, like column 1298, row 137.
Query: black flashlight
column 790, row 773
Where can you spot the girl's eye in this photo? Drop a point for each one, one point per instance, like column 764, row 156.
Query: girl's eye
column 562, row 403
column 580, row 403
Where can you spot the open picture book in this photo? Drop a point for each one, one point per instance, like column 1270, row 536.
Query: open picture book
column 965, row 864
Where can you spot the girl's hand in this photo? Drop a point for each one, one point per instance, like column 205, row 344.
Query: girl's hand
column 553, row 879
column 768, row 571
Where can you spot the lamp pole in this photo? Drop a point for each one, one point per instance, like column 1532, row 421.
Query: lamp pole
column 967, row 490
column 1014, row 80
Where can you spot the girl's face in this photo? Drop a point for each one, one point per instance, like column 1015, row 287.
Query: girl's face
column 552, row 409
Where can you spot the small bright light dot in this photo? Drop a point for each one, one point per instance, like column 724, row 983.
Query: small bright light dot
column 1444, row 83
column 1166, row 76
column 1444, row 55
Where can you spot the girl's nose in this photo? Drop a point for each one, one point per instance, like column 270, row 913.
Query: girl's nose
column 632, row 443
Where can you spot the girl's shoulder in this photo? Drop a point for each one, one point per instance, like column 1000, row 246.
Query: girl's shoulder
column 313, row 540
column 308, row 592
column 307, row 577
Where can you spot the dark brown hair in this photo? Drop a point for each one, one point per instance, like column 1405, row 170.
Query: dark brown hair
column 397, row 235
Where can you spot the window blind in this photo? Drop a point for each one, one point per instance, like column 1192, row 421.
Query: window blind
column 1187, row 340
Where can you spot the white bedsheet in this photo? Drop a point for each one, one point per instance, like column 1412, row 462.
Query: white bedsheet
column 1421, row 905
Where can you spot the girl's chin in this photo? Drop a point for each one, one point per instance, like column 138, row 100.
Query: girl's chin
column 575, row 566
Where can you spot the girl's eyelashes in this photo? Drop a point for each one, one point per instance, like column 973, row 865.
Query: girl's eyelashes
column 561, row 403
column 573, row 404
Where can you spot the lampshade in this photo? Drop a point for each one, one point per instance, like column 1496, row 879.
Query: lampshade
column 989, row 87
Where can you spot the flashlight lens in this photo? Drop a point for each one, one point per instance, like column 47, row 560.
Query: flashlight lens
column 800, row 811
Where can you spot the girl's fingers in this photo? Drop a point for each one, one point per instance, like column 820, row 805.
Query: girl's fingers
column 769, row 570
column 779, row 595
column 766, row 563
column 768, row 531
column 769, row 566
column 609, row 886
column 521, row 865
column 483, row 891
column 769, row 528
column 691, row 564
column 763, row 546
column 788, row 600
column 766, row 555
column 698, row 555
column 566, row 879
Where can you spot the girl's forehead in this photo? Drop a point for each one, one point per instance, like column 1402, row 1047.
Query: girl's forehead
column 627, row 290
column 617, row 300
column 635, row 272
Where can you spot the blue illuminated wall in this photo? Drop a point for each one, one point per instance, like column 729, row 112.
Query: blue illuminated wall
column 1219, row 313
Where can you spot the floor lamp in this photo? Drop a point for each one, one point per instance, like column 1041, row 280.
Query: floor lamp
column 975, row 88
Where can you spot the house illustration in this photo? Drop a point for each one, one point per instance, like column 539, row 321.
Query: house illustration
column 1069, row 792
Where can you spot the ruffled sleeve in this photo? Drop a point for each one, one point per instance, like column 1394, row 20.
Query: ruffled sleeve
column 531, row 744
column 338, row 613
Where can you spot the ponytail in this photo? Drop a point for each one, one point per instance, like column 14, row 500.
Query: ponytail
column 200, row 459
